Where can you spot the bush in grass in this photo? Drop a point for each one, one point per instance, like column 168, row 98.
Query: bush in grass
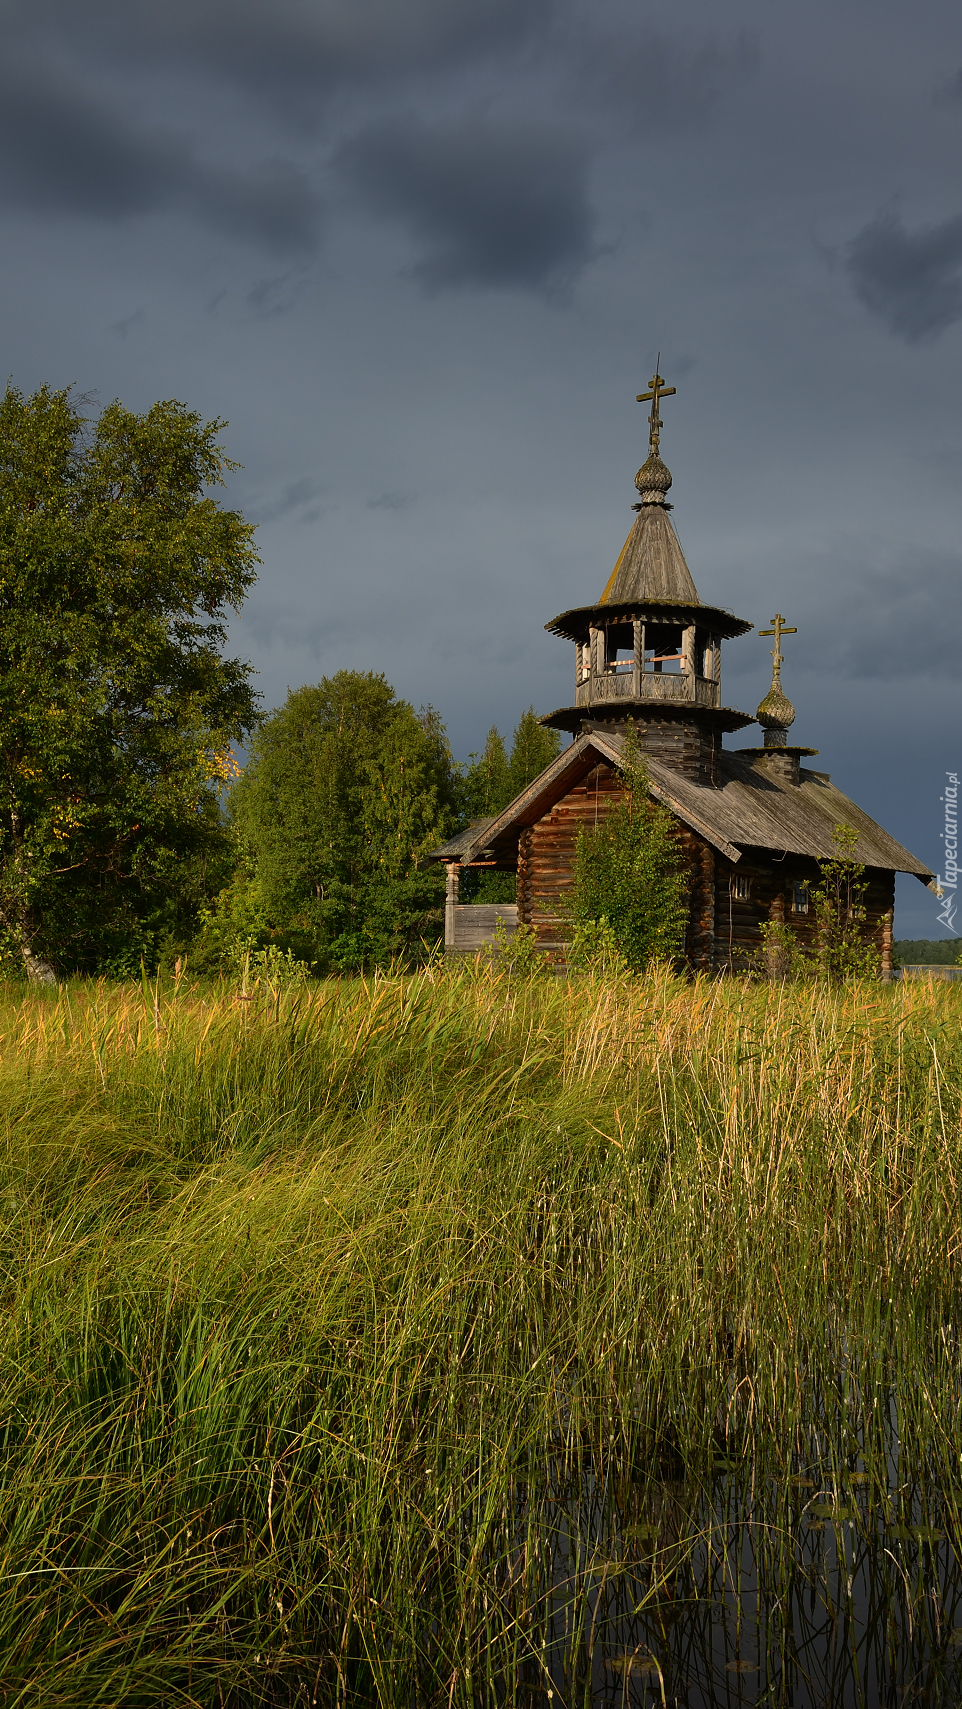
column 629, row 900
column 518, row 950
column 593, row 948
column 840, row 914
column 781, row 956
column 842, row 950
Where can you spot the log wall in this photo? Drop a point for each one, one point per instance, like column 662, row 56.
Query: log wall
column 552, row 846
column 688, row 745
column 724, row 924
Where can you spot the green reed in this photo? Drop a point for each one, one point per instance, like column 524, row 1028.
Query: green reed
column 361, row 1343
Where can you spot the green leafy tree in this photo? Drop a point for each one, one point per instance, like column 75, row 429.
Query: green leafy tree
column 346, row 790
column 628, row 904
column 117, row 707
column 532, row 750
column 840, row 914
column 487, row 790
column 487, row 780
column 491, row 783
column 492, row 779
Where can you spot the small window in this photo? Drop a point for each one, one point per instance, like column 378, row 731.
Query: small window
column 799, row 898
column 741, row 887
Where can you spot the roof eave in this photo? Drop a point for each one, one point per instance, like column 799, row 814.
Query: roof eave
column 713, row 617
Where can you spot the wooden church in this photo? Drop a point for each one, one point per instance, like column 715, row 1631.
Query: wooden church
column 753, row 823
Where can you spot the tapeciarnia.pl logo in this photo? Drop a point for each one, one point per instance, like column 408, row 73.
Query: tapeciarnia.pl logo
column 948, row 884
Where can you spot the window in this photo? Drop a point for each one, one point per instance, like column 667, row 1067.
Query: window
column 799, row 898
column 741, row 887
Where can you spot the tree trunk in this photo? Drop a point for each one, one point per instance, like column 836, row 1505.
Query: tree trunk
column 39, row 972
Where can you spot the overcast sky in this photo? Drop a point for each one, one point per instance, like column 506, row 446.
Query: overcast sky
column 421, row 255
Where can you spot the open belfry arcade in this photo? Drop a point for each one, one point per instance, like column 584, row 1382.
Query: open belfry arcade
column 753, row 823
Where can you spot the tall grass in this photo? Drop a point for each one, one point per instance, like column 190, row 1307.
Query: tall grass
column 385, row 1343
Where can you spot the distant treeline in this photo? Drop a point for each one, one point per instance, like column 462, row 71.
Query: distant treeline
column 927, row 952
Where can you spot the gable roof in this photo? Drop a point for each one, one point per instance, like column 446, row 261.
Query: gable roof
column 745, row 809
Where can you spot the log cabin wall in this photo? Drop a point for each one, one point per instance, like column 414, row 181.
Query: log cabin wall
column 551, row 850
column 524, row 877
column 688, row 745
column 729, row 902
column 779, row 890
column 547, row 857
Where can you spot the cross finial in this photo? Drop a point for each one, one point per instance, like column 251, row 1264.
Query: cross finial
column 778, row 629
column 656, row 391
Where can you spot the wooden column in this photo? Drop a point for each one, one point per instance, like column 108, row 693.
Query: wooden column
column 688, row 658
column 524, row 878
column 639, row 635
column 777, row 960
column 707, row 922
column 887, row 922
column 597, row 645
column 450, row 904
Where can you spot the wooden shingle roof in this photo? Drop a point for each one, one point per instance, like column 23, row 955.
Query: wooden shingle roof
column 651, row 565
column 744, row 809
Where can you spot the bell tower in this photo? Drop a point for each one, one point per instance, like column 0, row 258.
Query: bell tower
column 649, row 650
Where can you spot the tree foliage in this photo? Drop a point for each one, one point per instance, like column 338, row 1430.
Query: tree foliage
column 629, row 898
column 487, row 780
column 491, row 782
column 117, row 708
column 346, row 790
column 840, row 913
column 492, row 779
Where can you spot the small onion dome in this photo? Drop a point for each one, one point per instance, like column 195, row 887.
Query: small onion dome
column 653, row 480
column 776, row 711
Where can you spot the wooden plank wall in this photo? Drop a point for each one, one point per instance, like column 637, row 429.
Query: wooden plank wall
column 475, row 925
column 738, row 921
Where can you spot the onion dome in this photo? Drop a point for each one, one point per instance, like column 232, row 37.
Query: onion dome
column 653, row 479
column 776, row 711
column 775, row 714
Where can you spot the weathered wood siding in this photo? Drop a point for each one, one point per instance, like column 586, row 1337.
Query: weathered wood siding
column 475, row 925
column 739, row 920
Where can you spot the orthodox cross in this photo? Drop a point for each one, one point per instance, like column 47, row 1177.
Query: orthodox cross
column 656, row 391
column 778, row 629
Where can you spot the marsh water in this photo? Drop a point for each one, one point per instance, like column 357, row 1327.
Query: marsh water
column 808, row 1595
column 824, row 1572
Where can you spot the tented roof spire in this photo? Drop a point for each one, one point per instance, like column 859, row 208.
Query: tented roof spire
column 652, row 564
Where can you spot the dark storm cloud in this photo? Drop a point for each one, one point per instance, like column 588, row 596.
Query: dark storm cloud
column 63, row 150
column 911, row 280
column 891, row 621
column 131, row 323
column 488, row 205
column 292, row 47
column 297, row 496
column 949, row 94
column 270, row 298
column 656, row 81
